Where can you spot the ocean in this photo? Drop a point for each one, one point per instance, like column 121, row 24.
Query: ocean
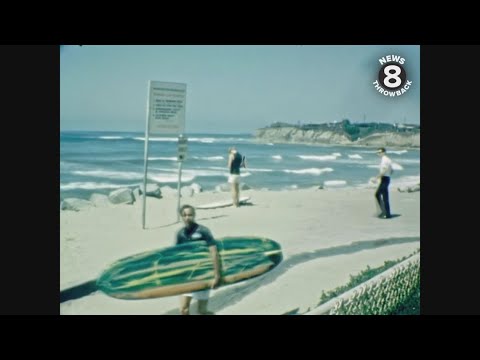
column 99, row 162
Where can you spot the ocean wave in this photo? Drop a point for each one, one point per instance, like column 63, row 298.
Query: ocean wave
column 260, row 170
column 336, row 154
column 398, row 152
column 335, row 183
column 208, row 158
column 168, row 158
column 125, row 175
column 318, row 157
column 277, row 157
column 395, row 166
column 93, row 185
column 170, row 178
column 207, row 140
column 204, row 172
column 311, row 171
column 408, row 161
column 355, row 156
column 111, row 137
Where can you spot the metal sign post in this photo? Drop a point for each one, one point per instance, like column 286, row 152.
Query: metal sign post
column 165, row 115
column 182, row 154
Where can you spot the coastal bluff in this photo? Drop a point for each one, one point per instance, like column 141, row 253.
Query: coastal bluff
column 342, row 133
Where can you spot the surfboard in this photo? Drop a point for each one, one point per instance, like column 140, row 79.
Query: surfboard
column 220, row 204
column 188, row 267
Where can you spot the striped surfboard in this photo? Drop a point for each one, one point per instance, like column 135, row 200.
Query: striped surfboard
column 188, row 267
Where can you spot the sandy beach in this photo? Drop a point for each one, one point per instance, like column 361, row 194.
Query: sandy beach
column 326, row 236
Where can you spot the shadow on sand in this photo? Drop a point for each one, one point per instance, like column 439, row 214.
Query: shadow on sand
column 234, row 294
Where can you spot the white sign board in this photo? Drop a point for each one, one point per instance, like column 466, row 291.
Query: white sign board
column 166, row 107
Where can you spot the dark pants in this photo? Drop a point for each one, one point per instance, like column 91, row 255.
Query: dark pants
column 382, row 196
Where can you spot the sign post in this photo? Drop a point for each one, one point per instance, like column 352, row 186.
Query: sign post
column 182, row 154
column 165, row 115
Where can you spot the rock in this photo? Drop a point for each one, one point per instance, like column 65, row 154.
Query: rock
column 99, row 200
column 168, row 191
column 153, row 190
column 75, row 204
column 223, row 187
column 409, row 188
column 121, row 196
column 196, row 188
column 186, row 191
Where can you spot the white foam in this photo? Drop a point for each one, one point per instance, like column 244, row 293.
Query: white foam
column 209, row 158
column 125, row 175
column 142, row 138
column 318, row 157
column 92, row 186
column 312, row 171
column 259, row 170
column 408, row 161
column 204, row 172
column 336, row 154
column 111, row 137
column 175, row 139
column 169, row 178
column 277, row 157
column 399, row 152
column 168, row 158
column 271, row 144
column 335, row 183
column 163, row 169
column 355, row 156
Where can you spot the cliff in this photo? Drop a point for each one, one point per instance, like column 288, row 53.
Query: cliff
column 342, row 133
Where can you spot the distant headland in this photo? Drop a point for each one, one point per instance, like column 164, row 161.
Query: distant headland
column 342, row 133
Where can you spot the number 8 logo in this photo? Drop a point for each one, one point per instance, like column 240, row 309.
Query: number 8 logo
column 388, row 75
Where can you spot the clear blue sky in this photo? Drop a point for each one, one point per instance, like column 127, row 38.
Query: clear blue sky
column 233, row 89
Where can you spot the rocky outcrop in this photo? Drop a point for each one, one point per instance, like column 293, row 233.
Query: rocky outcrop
column 295, row 135
column 338, row 136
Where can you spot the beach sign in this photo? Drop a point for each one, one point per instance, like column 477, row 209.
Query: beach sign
column 166, row 107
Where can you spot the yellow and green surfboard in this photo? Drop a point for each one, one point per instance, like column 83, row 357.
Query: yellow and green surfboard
column 188, row 267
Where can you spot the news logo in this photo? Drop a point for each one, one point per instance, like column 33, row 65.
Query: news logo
column 392, row 77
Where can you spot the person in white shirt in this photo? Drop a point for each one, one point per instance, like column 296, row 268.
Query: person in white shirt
column 382, row 191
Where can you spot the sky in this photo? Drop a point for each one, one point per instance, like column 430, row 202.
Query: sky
column 233, row 89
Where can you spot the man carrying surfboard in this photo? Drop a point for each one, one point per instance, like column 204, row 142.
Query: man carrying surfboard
column 235, row 161
column 196, row 232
